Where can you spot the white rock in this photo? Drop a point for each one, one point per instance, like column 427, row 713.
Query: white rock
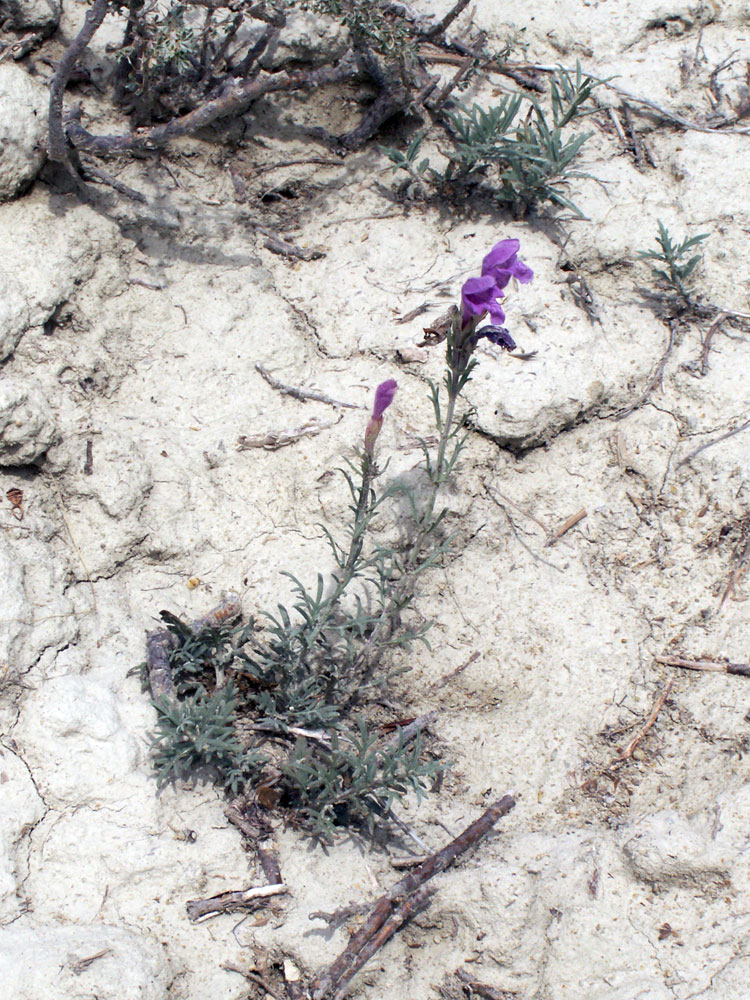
column 121, row 478
column 34, row 15
column 42, row 261
column 23, row 126
column 51, row 962
column 27, row 428
column 35, row 614
column 666, row 846
column 72, row 729
column 14, row 312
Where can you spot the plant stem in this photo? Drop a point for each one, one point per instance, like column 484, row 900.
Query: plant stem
column 426, row 521
column 382, row 631
column 361, row 520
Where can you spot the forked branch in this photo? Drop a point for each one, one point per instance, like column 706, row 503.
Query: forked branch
column 394, row 908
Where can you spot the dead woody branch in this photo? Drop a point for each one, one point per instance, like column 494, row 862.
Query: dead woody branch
column 233, row 101
column 397, row 905
column 57, row 147
column 162, row 642
column 296, row 392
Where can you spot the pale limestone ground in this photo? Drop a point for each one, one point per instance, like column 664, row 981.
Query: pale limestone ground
column 568, row 900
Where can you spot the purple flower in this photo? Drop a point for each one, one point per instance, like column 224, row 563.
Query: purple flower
column 502, row 263
column 479, row 296
column 384, row 397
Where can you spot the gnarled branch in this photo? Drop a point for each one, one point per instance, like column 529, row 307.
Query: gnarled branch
column 235, row 99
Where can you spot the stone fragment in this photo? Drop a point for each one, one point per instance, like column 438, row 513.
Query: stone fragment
column 59, row 963
column 42, row 259
column 14, row 313
column 122, row 477
column 23, row 126
column 27, row 428
column 37, row 617
column 666, row 846
column 42, row 16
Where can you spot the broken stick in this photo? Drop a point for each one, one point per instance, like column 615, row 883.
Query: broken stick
column 296, row 392
column 225, row 902
column 569, row 523
column 274, row 440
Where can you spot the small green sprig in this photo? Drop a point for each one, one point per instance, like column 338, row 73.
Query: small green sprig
column 678, row 267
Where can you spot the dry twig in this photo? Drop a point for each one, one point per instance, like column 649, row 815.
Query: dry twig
column 442, row 681
column 479, row 989
column 440, row 28
column 274, row 440
column 403, row 734
column 655, row 380
column 716, row 440
column 253, row 977
column 82, row 964
column 627, row 753
column 741, row 554
column 302, row 394
column 708, row 666
column 567, row 524
column 285, row 249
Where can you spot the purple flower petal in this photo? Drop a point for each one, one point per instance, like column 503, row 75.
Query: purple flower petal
column 502, row 264
column 500, row 256
column 522, row 272
column 383, row 398
column 498, row 335
column 479, row 296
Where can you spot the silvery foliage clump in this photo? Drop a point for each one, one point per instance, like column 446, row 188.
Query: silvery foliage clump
column 284, row 706
column 519, row 152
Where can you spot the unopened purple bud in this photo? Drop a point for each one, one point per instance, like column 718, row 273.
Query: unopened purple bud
column 383, row 398
column 371, row 434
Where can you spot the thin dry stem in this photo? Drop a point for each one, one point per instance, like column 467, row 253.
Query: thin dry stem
column 627, row 753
